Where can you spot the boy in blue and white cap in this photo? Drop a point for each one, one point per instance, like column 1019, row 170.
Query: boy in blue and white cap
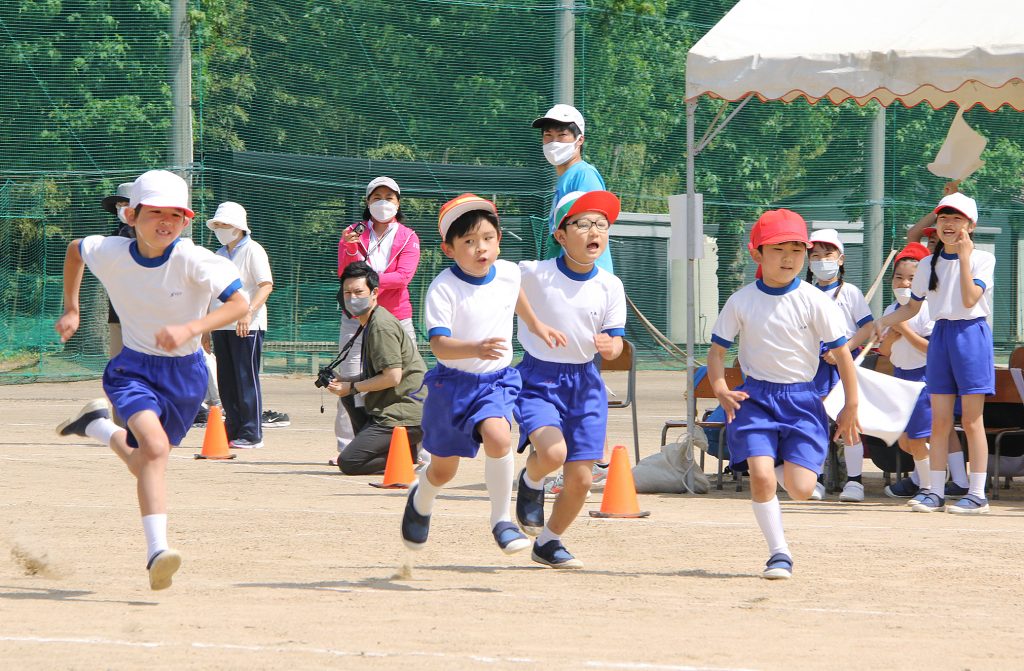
column 563, row 407
column 161, row 287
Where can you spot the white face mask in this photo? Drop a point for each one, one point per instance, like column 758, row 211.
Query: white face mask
column 121, row 216
column 558, row 153
column 902, row 295
column 225, row 235
column 825, row 269
column 383, row 210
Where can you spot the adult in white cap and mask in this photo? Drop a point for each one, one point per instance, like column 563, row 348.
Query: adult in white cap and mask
column 392, row 250
column 562, row 134
column 239, row 345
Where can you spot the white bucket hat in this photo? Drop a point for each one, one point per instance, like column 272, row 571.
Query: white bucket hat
column 231, row 214
column 829, row 236
column 160, row 188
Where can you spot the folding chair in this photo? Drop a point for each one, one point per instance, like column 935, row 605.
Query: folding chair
column 1007, row 392
column 733, row 378
column 626, row 361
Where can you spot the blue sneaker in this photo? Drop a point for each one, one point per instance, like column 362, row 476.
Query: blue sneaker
column 969, row 505
column 953, row 489
column 554, row 554
column 903, row 489
column 509, row 538
column 415, row 527
column 929, row 503
column 529, row 507
column 75, row 425
column 917, row 498
column 778, row 567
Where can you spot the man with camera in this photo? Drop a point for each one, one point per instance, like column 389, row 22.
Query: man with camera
column 389, row 391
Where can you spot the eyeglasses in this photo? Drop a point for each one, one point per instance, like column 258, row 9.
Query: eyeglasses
column 583, row 225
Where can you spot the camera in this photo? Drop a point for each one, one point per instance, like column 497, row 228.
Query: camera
column 324, row 377
column 359, row 228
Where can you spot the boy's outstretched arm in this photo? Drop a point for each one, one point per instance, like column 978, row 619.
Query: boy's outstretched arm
column 900, row 314
column 74, row 268
column 447, row 347
column 173, row 336
column 729, row 399
column 552, row 337
column 847, row 423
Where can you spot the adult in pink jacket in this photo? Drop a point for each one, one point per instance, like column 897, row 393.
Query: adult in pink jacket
column 393, row 251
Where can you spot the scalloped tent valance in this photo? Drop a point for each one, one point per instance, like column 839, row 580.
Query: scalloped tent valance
column 935, row 51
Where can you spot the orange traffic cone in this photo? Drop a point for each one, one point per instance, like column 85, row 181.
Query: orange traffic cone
column 398, row 472
column 215, row 441
column 619, row 498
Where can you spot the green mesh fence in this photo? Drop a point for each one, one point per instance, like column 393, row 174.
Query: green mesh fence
column 298, row 103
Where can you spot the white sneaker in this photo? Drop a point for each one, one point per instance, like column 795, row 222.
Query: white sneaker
column 819, row 492
column 853, row 492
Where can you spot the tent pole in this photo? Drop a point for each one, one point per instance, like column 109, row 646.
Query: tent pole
column 691, row 215
column 874, row 226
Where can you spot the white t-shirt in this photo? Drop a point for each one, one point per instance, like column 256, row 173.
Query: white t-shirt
column 253, row 266
column 379, row 254
column 780, row 330
column 946, row 301
column 149, row 294
column 903, row 354
column 474, row 308
column 579, row 305
column 851, row 303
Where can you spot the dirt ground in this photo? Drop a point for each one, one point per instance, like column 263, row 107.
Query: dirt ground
column 288, row 564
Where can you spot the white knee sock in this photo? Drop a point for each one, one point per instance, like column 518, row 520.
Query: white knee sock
column 938, row 482
column 923, row 473
column 155, row 527
column 547, row 535
column 977, row 487
column 423, row 499
column 854, row 455
column 769, row 518
column 958, row 469
column 102, row 429
column 498, row 474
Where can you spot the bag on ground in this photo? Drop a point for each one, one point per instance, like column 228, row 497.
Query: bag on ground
column 673, row 470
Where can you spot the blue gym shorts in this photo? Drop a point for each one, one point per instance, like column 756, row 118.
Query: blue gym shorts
column 920, row 424
column 827, row 375
column 171, row 386
column 568, row 396
column 960, row 358
column 458, row 401
column 784, row 421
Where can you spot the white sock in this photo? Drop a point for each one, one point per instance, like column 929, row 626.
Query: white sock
column 780, row 477
column 155, row 527
column 547, row 535
column 854, row 459
column 977, row 487
column 531, row 483
column 922, row 469
column 426, row 492
column 498, row 474
column 915, row 477
column 102, row 429
column 958, row 469
column 769, row 518
column 938, row 482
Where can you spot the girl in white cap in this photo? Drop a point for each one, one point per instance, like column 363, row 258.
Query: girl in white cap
column 826, row 268
column 392, row 249
column 239, row 345
column 957, row 281
column 161, row 287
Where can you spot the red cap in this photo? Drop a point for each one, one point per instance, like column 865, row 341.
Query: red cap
column 928, row 232
column 778, row 226
column 914, row 250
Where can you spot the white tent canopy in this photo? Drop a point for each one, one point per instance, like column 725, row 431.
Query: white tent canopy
column 936, row 51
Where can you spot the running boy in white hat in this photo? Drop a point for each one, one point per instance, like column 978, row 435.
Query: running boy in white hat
column 161, row 287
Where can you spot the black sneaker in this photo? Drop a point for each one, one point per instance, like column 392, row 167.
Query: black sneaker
column 554, row 554
column 415, row 527
column 98, row 408
column 903, row 489
column 529, row 507
column 271, row 419
column 201, row 417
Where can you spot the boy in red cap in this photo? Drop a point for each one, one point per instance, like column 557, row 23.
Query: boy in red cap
column 776, row 421
column 906, row 345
